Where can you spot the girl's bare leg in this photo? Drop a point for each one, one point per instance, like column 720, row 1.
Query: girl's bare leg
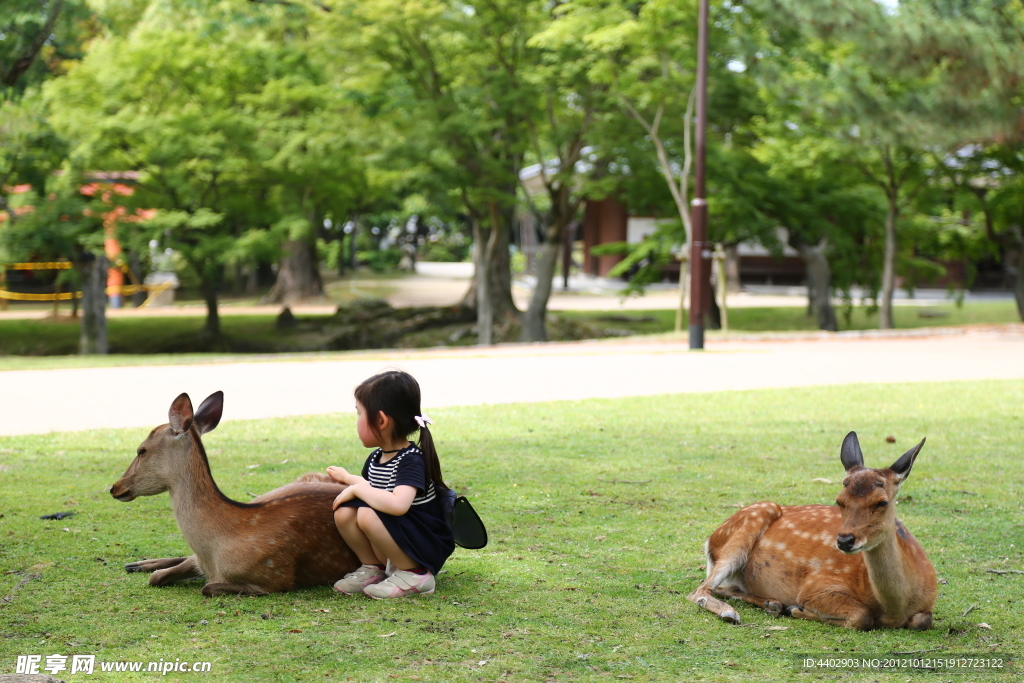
column 346, row 519
column 380, row 540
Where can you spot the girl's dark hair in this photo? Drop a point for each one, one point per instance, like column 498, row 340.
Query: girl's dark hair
column 397, row 395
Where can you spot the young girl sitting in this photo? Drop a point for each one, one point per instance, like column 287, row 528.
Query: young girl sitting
column 393, row 512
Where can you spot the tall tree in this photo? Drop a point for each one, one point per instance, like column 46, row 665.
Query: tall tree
column 457, row 73
column 569, row 102
column 898, row 80
column 177, row 109
column 314, row 165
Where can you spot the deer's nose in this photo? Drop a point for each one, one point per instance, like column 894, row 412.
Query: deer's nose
column 845, row 542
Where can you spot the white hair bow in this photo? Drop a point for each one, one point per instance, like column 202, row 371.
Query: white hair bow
column 423, row 421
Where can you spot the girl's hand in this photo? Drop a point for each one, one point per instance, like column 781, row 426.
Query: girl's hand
column 338, row 474
column 342, row 476
column 343, row 497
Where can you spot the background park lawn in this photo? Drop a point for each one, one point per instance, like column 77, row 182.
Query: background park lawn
column 171, row 336
column 597, row 511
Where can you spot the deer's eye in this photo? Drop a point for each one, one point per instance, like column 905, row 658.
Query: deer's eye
column 881, row 504
column 840, row 505
column 142, row 451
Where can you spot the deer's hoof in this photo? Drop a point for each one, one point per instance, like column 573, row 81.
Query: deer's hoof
column 773, row 607
column 133, row 567
column 788, row 611
column 729, row 616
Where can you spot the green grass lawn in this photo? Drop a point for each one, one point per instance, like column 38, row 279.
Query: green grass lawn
column 787, row 319
column 596, row 510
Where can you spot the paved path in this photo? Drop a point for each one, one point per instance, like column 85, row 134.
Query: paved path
column 66, row 400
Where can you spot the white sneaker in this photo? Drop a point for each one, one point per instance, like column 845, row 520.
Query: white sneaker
column 400, row 584
column 354, row 582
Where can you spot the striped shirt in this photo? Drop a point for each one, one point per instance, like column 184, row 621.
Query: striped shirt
column 406, row 468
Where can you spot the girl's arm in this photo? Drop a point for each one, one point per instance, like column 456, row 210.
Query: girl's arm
column 342, row 476
column 397, row 503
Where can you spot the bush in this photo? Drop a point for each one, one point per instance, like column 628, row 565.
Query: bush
column 380, row 260
column 445, row 247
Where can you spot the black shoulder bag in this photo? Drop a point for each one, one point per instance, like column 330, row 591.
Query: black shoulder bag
column 466, row 525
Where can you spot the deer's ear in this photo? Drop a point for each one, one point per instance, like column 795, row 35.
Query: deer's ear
column 209, row 413
column 180, row 415
column 850, row 454
column 902, row 466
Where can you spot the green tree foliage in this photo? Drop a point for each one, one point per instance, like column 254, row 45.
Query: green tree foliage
column 644, row 147
column 171, row 107
column 456, row 75
column 233, row 137
column 900, row 82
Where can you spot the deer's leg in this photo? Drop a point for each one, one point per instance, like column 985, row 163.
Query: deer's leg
column 702, row 596
column 213, row 589
column 186, row 569
column 773, row 607
column 727, row 551
column 153, row 565
column 836, row 608
column 922, row 621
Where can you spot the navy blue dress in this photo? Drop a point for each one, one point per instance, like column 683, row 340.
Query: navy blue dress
column 423, row 532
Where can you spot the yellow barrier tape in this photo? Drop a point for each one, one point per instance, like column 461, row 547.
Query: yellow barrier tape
column 154, row 291
column 18, row 296
column 126, row 290
column 45, row 265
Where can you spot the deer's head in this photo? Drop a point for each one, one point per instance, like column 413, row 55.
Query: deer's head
column 165, row 451
column 868, row 498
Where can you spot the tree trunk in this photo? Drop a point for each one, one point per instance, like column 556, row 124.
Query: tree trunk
column 499, row 270
column 252, row 280
column 23, row 62
column 93, row 336
column 885, row 319
column 534, row 328
column 819, row 280
column 483, row 256
column 238, row 279
column 298, row 275
column 1018, row 290
column 135, row 264
column 212, row 327
column 732, row 268
column 342, row 261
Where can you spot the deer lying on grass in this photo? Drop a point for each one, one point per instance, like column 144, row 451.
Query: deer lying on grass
column 282, row 540
column 852, row 565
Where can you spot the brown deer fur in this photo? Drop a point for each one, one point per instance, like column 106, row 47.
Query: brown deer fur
column 283, row 540
column 853, row 564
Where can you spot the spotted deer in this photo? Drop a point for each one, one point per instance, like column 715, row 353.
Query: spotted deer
column 283, row 540
column 852, row 564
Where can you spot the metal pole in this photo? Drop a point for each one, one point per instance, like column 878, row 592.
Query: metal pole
column 699, row 253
